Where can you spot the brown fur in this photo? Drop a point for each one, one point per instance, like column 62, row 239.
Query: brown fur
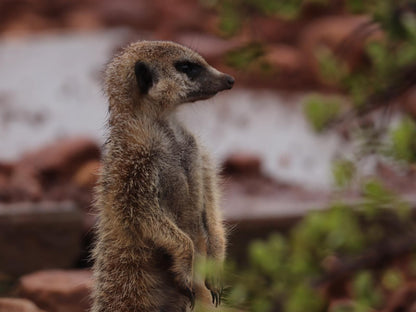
column 157, row 197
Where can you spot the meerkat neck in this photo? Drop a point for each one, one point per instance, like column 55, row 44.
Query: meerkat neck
column 134, row 123
column 142, row 111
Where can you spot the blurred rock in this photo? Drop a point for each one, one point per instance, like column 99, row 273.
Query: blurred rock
column 87, row 175
column 212, row 48
column 6, row 170
column 62, row 157
column 175, row 16
column 85, row 18
column 138, row 14
column 408, row 103
column 241, row 163
column 285, row 58
column 58, row 290
column 273, row 30
column 337, row 34
column 17, row 305
column 28, row 22
column 38, row 236
column 25, row 183
column 47, row 173
column 342, row 305
column 403, row 300
column 396, row 179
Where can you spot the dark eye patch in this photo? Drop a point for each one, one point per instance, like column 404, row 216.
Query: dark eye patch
column 191, row 69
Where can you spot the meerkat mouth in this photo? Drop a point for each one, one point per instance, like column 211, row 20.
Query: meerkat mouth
column 201, row 96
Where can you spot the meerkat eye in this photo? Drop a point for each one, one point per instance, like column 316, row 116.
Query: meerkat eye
column 192, row 70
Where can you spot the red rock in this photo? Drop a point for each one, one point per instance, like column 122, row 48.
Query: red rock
column 403, row 299
column 242, row 164
column 175, row 16
column 35, row 236
column 5, row 173
column 6, row 168
column 272, row 29
column 408, row 103
column 26, row 23
column 58, row 290
column 39, row 171
column 63, row 156
column 87, row 175
column 212, row 48
column 17, row 305
column 83, row 19
column 138, row 14
column 341, row 305
column 332, row 32
column 48, row 171
column 25, row 184
column 285, row 58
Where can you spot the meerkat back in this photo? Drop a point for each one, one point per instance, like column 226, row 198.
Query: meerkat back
column 157, row 196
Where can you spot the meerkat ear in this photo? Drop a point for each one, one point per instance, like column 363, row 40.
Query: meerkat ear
column 144, row 77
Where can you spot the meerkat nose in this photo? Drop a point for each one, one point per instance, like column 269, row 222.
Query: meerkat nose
column 230, row 81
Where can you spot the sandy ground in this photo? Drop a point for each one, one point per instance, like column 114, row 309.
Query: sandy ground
column 50, row 88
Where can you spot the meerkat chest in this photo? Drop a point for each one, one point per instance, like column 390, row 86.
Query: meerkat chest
column 180, row 176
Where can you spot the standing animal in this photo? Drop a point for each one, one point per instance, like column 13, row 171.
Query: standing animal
column 157, row 195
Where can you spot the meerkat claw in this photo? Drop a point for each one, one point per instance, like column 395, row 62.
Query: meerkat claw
column 216, row 298
column 191, row 295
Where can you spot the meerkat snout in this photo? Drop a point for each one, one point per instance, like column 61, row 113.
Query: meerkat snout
column 226, row 82
column 230, row 81
column 204, row 80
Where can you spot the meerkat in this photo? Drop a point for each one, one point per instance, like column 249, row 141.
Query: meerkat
column 157, row 196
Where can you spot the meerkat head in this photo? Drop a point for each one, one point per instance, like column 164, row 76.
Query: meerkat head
column 161, row 75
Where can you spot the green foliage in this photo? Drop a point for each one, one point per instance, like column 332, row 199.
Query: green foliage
column 263, row 255
column 320, row 110
column 284, row 9
column 338, row 231
column 304, row 298
column 386, row 57
column 377, row 195
column 343, row 171
column 377, row 199
column 412, row 265
column 392, row 279
column 403, row 142
column 350, row 307
column 356, row 6
column 243, row 57
column 365, row 290
column 332, row 69
column 283, row 270
column 230, row 19
column 7, row 283
column 234, row 13
column 268, row 7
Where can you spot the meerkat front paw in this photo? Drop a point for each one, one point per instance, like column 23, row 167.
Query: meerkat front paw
column 185, row 285
column 190, row 293
column 215, row 286
column 187, row 290
column 214, row 279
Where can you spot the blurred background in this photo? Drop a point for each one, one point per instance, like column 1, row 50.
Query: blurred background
column 316, row 143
